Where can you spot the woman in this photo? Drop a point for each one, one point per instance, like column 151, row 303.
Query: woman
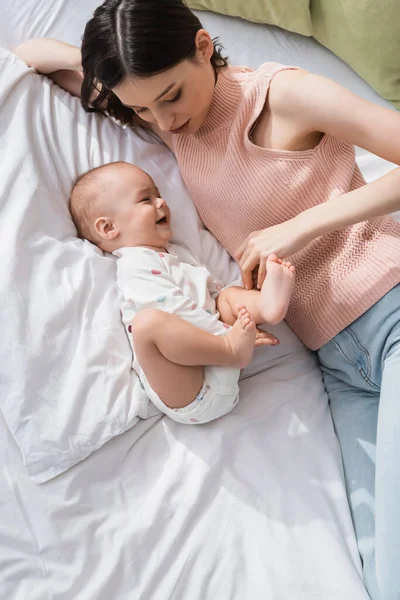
column 268, row 157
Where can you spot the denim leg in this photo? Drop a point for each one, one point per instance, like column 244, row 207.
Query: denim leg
column 361, row 368
column 387, row 494
column 355, row 413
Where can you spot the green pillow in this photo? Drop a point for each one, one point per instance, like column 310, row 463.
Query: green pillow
column 293, row 15
column 363, row 33
column 366, row 35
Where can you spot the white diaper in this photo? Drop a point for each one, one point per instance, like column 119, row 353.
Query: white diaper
column 217, row 397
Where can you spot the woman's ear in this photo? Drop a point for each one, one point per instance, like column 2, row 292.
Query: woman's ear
column 204, row 44
column 106, row 228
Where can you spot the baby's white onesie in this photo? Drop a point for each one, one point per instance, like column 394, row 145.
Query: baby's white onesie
column 174, row 281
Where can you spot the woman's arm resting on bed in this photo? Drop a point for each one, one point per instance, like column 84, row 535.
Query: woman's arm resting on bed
column 71, row 81
column 47, row 55
column 60, row 61
column 312, row 103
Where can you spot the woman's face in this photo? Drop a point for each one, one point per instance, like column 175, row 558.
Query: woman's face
column 177, row 100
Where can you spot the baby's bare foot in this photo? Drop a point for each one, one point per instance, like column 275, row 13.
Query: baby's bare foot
column 241, row 338
column 277, row 289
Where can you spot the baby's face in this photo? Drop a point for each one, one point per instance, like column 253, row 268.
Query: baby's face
column 138, row 213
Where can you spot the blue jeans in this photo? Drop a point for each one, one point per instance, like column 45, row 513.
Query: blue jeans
column 361, row 370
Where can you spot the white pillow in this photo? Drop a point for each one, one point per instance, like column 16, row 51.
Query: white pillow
column 66, row 381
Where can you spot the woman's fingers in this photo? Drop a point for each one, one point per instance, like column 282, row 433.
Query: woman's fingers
column 254, row 277
column 247, row 278
column 240, row 250
column 262, row 272
column 248, row 263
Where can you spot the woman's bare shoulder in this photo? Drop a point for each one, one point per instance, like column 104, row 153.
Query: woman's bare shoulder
column 281, row 124
column 285, row 89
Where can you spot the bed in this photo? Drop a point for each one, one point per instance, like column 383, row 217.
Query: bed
column 101, row 497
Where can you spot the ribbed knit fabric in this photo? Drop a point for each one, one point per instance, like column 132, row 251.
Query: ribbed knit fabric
column 239, row 188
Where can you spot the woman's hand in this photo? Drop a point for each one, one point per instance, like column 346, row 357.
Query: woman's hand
column 283, row 240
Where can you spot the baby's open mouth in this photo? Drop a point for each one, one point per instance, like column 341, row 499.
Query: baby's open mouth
column 162, row 221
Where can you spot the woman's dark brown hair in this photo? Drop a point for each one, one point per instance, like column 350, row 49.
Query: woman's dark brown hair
column 137, row 38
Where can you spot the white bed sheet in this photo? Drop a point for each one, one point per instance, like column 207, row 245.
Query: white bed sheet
column 252, row 506
column 249, row 507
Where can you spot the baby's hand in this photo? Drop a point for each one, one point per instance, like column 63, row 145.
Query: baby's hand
column 263, row 338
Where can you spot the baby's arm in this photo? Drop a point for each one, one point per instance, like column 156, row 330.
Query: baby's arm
column 214, row 285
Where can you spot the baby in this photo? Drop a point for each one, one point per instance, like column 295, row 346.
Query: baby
column 188, row 349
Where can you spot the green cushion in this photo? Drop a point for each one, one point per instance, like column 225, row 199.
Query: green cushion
column 293, row 16
column 364, row 33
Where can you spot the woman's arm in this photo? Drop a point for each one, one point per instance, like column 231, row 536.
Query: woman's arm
column 47, row 55
column 323, row 105
column 71, row 81
column 60, row 61
column 309, row 103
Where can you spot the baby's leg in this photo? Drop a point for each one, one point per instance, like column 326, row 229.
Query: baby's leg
column 172, row 352
column 266, row 306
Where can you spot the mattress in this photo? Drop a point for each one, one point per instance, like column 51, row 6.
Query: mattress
column 252, row 506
